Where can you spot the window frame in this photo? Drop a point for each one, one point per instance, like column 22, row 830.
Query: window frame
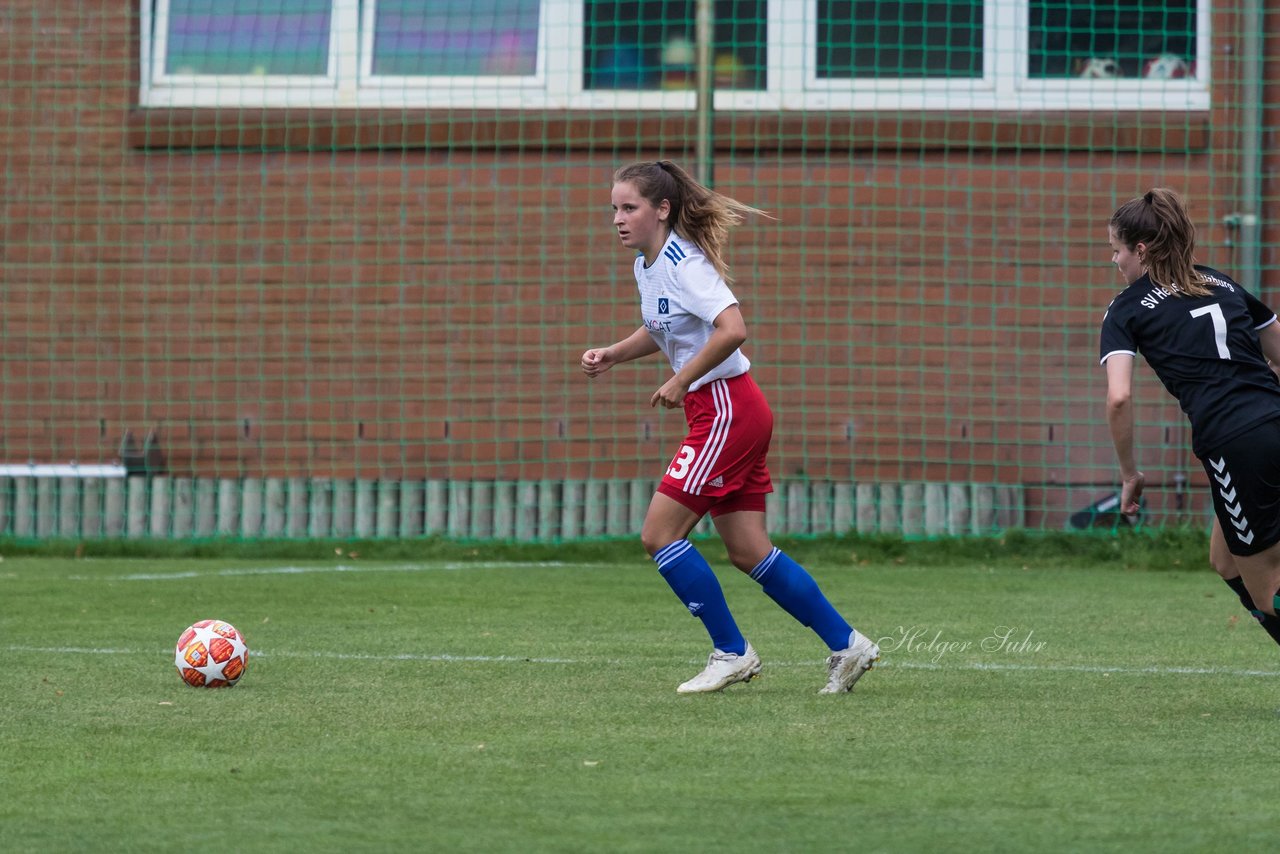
column 160, row 88
column 792, row 83
column 388, row 86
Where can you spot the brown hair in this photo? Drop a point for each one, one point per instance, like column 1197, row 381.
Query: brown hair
column 698, row 213
column 1159, row 220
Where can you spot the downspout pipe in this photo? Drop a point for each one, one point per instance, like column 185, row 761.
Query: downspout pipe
column 705, row 144
column 1247, row 221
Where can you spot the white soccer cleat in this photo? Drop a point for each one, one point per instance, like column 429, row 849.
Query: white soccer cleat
column 847, row 666
column 722, row 670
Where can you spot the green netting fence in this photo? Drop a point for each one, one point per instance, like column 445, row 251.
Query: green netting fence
column 325, row 268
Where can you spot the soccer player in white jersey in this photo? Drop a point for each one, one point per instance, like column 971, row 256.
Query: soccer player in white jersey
column 678, row 228
column 1213, row 346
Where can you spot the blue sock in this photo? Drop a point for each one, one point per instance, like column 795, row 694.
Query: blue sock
column 698, row 588
column 791, row 586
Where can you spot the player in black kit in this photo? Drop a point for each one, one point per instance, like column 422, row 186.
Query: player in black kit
column 1213, row 346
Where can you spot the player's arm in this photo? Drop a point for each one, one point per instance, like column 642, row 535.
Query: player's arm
column 1269, row 339
column 729, row 334
column 637, row 345
column 1120, row 420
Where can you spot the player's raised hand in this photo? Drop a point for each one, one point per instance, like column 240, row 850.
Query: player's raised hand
column 595, row 362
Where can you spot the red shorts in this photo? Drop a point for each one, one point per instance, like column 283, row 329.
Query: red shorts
column 720, row 466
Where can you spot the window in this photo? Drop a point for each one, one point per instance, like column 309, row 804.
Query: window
column 1112, row 39
column 648, row 44
column 774, row 55
column 455, row 38
column 888, row 39
column 250, row 37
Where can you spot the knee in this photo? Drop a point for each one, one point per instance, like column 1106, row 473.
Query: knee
column 744, row 561
column 746, row 556
column 1221, row 559
column 651, row 541
column 656, row 537
column 1223, row 564
column 745, row 551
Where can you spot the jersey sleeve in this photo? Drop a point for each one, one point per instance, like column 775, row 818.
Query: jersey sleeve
column 1117, row 337
column 704, row 293
column 1258, row 311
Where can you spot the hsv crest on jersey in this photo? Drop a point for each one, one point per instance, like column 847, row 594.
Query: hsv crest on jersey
column 664, row 305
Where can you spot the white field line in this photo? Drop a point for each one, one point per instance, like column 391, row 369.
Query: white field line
column 505, row 659
column 327, row 656
column 304, row 570
column 981, row 666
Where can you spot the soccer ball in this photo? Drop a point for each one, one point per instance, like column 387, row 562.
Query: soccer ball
column 1166, row 66
column 1100, row 68
column 211, row 654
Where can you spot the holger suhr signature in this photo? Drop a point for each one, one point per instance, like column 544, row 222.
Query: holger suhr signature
column 1008, row 640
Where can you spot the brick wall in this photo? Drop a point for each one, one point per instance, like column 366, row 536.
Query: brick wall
column 916, row 311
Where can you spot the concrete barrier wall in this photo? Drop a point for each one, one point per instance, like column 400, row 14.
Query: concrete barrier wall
column 543, row 510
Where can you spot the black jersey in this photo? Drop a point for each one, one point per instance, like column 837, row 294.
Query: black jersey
column 1204, row 349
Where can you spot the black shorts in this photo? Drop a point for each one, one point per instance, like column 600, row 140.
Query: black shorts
column 1244, row 478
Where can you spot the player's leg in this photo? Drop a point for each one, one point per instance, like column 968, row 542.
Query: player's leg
column 741, row 524
column 665, row 537
column 1244, row 480
column 1220, row 556
column 783, row 580
column 666, row 521
column 1224, row 564
column 1261, row 575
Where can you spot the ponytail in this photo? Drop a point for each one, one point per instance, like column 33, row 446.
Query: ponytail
column 1159, row 221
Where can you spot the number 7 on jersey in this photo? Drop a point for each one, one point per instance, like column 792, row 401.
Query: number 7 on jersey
column 1219, row 327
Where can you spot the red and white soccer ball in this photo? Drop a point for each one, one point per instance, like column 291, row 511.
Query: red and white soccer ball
column 1166, row 66
column 211, row 654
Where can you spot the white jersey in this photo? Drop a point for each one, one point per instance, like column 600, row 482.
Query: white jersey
column 681, row 295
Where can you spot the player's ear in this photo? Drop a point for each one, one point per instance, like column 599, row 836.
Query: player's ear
column 664, row 210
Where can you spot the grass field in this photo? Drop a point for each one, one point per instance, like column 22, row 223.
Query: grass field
column 439, row 705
